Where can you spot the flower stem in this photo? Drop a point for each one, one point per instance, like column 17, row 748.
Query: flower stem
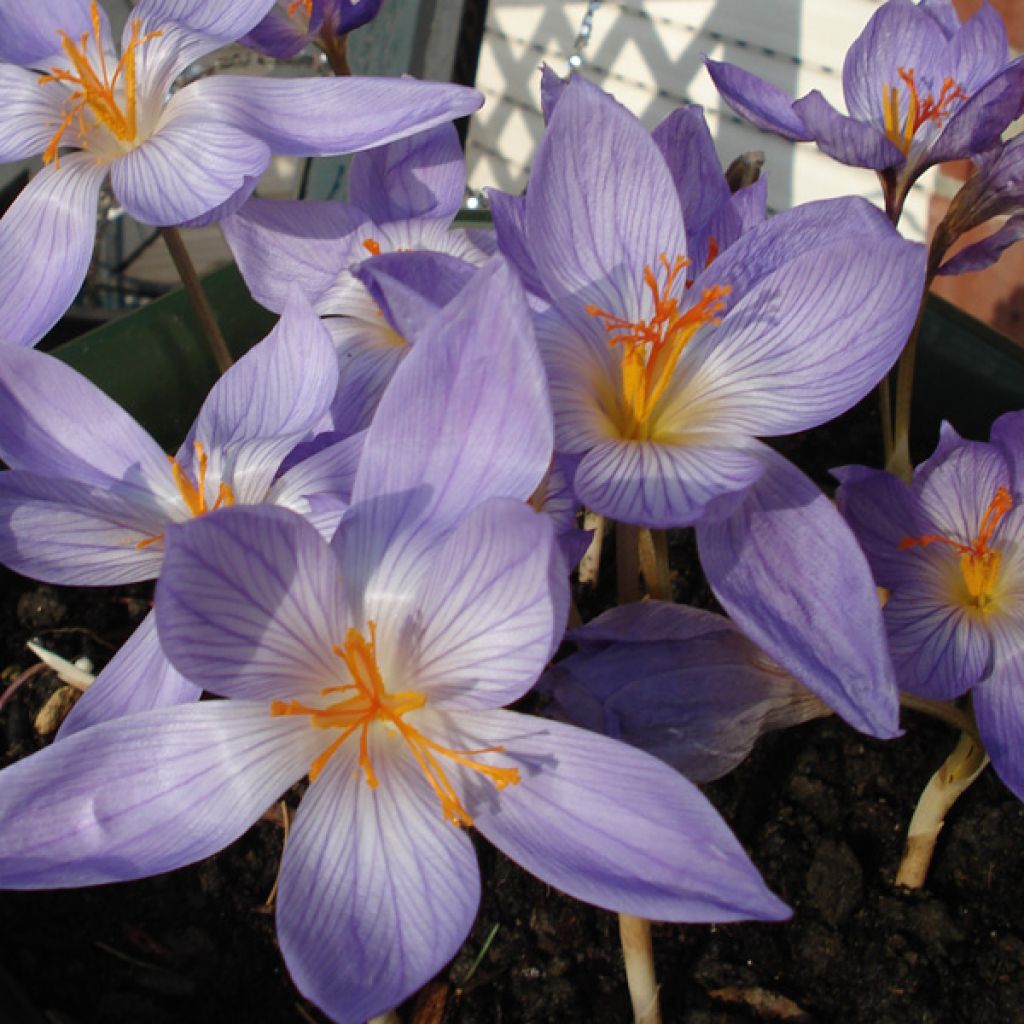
column 190, row 279
column 898, row 459
column 943, row 710
column 638, row 954
column 635, row 932
column 959, row 770
column 385, row 1018
column 652, row 547
column 627, row 564
column 336, row 50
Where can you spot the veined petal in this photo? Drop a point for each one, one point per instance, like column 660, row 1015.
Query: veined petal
column 956, row 495
column 491, row 610
column 329, row 473
column 979, row 122
column 377, row 110
column 508, row 214
column 368, row 356
column 138, row 678
column 882, row 511
column 30, row 30
column 189, row 29
column 55, row 422
column 784, row 359
column 846, row 139
column 787, row 569
column 249, row 604
column 409, row 287
column 999, row 708
column 145, row 794
column 764, row 105
column 980, row 48
column 46, row 240
column 601, row 204
column 268, row 401
column 422, row 175
column 377, row 890
column 30, row 113
column 1008, row 435
column 162, row 182
column 279, row 243
column 664, row 483
column 465, row 418
column 686, row 144
column 938, row 650
column 986, row 252
column 899, row 34
column 606, row 823
column 808, row 227
column 69, row 532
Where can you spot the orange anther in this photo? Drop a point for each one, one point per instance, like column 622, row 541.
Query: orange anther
column 370, row 702
column 372, row 246
column 979, row 562
column 94, row 88
column 651, row 348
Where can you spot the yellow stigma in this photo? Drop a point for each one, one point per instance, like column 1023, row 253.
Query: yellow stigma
column 979, row 563
column 108, row 97
column 370, row 702
column 194, row 494
column 919, row 108
column 651, row 348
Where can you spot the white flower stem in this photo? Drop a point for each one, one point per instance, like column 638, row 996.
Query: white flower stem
column 386, row 1018
column 194, row 288
column 635, row 932
column 960, row 769
column 638, row 955
column 653, row 550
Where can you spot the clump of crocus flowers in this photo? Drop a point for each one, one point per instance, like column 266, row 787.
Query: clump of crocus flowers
column 363, row 546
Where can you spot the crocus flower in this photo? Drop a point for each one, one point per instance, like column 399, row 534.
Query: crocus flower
column 920, row 88
column 292, row 25
column 995, row 189
column 681, row 683
column 402, row 198
column 175, row 157
column 90, row 495
column 713, row 216
column 660, row 381
column 378, row 667
column 949, row 548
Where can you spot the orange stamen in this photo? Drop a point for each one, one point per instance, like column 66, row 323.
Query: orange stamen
column 651, row 348
column 979, row 562
column 372, row 246
column 94, row 89
column 920, row 109
column 194, row 494
column 307, row 5
column 370, row 702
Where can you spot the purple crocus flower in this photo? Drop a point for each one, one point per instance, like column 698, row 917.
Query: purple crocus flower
column 660, row 381
column 949, row 547
column 90, row 495
column 175, row 157
column 378, row 666
column 403, row 198
column 996, row 189
column 713, row 216
column 681, row 683
column 920, row 88
column 292, row 25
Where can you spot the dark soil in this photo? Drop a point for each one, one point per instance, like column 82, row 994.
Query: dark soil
column 821, row 809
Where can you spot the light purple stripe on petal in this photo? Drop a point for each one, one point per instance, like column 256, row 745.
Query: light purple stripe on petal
column 377, row 890
column 46, row 240
column 145, row 794
column 606, row 823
